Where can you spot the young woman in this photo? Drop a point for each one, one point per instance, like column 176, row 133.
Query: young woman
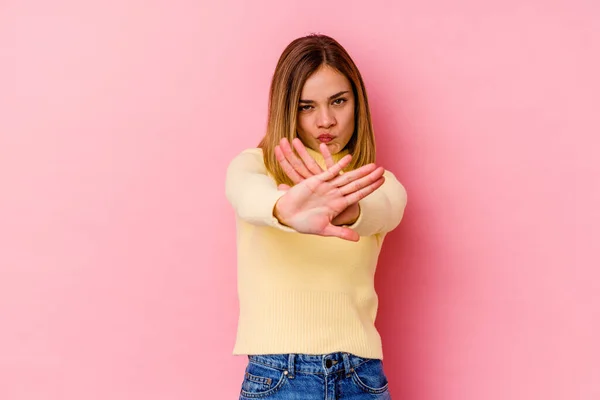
column 310, row 226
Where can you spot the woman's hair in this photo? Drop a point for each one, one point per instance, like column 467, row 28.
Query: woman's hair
column 299, row 60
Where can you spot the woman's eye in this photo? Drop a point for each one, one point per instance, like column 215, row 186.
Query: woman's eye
column 339, row 101
column 304, row 108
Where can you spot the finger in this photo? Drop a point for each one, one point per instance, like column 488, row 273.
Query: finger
column 355, row 197
column 283, row 186
column 342, row 232
column 358, row 173
column 334, row 171
column 310, row 162
column 296, row 163
column 287, row 168
column 359, row 184
column 326, row 155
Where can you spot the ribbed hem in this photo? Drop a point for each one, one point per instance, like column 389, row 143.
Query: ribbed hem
column 279, row 322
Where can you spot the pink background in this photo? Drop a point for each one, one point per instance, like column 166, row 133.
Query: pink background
column 117, row 252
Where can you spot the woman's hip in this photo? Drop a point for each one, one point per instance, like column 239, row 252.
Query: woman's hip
column 300, row 376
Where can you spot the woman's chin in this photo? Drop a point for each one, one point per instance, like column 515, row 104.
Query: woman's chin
column 333, row 148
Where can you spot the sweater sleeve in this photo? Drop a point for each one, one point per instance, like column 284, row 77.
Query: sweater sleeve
column 382, row 210
column 251, row 191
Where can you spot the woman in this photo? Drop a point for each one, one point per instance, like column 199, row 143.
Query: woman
column 310, row 226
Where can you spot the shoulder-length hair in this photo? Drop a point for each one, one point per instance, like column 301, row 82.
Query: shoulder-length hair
column 299, row 60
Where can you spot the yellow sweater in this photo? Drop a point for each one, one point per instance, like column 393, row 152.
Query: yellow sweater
column 301, row 293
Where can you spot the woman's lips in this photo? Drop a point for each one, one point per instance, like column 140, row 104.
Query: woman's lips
column 325, row 138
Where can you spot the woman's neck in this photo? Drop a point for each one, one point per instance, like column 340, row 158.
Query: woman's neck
column 321, row 160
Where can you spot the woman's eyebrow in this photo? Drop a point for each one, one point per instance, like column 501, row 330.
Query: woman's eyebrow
column 330, row 97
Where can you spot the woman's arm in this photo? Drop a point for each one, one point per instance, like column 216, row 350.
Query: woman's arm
column 251, row 192
column 382, row 210
column 308, row 207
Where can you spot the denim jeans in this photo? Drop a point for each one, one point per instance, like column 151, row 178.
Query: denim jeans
column 314, row 377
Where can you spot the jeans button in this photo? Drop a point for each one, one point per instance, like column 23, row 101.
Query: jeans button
column 328, row 363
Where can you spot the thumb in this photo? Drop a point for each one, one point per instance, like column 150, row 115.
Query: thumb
column 342, row 232
column 283, row 187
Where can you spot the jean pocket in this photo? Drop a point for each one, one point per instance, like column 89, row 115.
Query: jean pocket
column 261, row 381
column 370, row 377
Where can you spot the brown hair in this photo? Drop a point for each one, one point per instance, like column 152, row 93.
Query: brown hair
column 299, row 60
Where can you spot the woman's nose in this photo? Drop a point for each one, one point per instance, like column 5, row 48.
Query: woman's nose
column 326, row 118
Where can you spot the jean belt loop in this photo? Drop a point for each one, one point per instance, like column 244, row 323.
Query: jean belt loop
column 347, row 365
column 291, row 370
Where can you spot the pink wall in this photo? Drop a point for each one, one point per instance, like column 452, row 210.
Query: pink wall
column 118, row 118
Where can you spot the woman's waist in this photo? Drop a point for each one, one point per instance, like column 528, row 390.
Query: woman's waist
column 325, row 364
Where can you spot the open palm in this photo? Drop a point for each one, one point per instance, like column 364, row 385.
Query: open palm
column 311, row 205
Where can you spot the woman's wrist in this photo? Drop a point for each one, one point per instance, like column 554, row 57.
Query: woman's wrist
column 348, row 217
column 277, row 214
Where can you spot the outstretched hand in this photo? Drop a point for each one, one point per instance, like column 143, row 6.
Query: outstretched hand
column 298, row 169
column 318, row 197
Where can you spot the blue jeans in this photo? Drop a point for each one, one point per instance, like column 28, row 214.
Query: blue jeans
column 314, row 377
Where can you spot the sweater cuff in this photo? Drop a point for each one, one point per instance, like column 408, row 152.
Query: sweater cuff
column 372, row 216
column 269, row 211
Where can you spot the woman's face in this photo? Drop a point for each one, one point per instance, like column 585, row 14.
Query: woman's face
column 326, row 110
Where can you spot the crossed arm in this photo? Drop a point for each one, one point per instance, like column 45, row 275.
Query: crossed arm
column 363, row 202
